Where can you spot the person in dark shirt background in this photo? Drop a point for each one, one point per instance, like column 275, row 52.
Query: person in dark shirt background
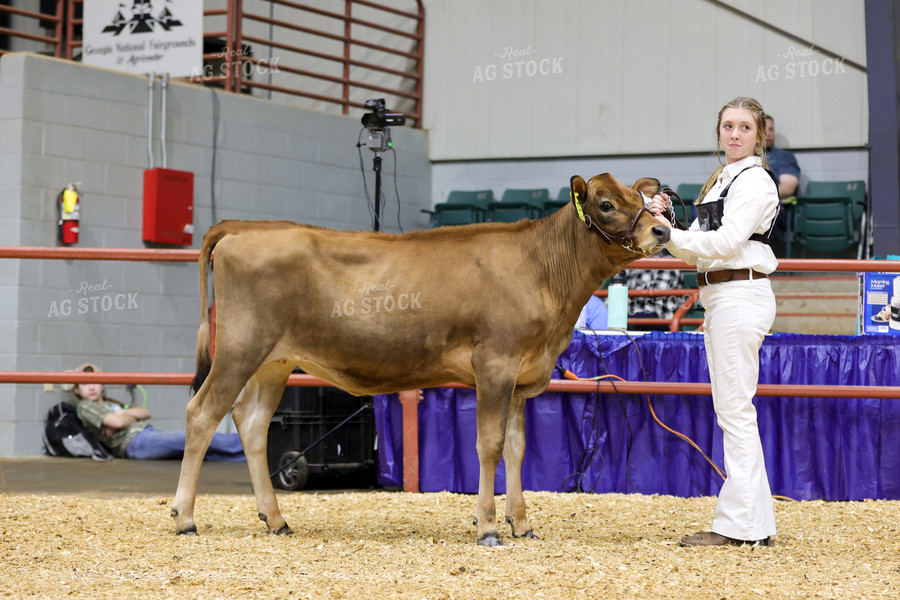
column 787, row 173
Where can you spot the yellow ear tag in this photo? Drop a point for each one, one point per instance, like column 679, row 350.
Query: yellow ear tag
column 574, row 196
column 70, row 197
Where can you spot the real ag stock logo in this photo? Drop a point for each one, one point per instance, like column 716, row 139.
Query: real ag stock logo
column 800, row 63
column 92, row 298
column 518, row 63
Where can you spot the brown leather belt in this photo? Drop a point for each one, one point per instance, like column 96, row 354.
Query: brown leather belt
column 724, row 275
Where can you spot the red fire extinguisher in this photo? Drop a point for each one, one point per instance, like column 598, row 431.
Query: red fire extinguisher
column 68, row 203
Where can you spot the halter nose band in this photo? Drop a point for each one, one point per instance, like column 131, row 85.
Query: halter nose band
column 624, row 238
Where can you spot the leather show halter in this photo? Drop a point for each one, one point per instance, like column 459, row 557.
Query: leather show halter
column 624, row 238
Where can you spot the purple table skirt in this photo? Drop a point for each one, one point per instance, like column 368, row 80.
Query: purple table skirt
column 815, row 448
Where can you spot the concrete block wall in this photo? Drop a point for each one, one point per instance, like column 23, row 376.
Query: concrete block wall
column 62, row 122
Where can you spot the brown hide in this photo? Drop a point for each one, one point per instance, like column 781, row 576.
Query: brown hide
column 489, row 305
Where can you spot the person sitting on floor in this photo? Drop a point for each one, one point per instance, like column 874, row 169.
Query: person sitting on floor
column 126, row 431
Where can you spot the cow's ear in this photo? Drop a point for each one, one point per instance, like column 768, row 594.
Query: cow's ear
column 647, row 185
column 578, row 186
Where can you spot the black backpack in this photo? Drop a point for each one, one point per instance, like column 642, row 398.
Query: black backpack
column 64, row 435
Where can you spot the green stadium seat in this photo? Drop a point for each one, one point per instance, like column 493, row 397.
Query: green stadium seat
column 551, row 206
column 516, row 205
column 462, row 208
column 855, row 190
column 688, row 193
column 824, row 224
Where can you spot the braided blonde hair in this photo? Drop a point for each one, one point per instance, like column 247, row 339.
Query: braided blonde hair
column 759, row 115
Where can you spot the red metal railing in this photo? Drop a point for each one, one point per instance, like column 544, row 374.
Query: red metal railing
column 55, row 18
column 302, row 62
column 411, row 398
column 336, row 67
column 815, row 265
column 556, row 385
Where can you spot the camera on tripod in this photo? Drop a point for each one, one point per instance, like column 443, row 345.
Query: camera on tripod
column 380, row 118
column 379, row 122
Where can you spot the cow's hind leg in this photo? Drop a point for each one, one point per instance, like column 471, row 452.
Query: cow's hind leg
column 252, row 415
column 204, row 413
column 494, row 382
column 513, row 453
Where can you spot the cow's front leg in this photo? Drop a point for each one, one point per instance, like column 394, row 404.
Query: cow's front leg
column 513, row 453
column 252, row 415
column 494, row 393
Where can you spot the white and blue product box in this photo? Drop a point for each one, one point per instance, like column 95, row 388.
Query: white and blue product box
column 879, row 303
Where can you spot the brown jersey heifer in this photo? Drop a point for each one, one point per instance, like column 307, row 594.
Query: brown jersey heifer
column 490, row 305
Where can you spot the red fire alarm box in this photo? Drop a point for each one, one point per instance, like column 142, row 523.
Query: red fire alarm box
column 168, row 206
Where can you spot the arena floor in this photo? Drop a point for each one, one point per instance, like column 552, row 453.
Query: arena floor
column 79, row 529
column 49, row 475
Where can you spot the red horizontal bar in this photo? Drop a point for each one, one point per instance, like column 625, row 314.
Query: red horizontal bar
column 52, row 17
column 133, row 254
column 386, row 29
column 396, row 11
column 650, row 293
column 130, row 378
column 28, row 36
column 331, row 57
column 788, row 264
column 556, row 385
column 662, row 321
column 819, row 295
column 316, row 11
column 295, row 71
column 154, row 255
column 818, row 315
column 665, row 388
column 288, row 25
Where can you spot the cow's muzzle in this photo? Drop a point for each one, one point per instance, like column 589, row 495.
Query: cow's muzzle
column 662, row 234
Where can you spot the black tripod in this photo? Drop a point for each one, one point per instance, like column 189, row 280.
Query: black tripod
column 379, row 141
column 376, row 166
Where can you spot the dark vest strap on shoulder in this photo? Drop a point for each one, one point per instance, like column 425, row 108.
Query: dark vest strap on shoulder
column 711, row 217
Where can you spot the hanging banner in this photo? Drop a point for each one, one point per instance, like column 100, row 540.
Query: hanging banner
column 161, row 36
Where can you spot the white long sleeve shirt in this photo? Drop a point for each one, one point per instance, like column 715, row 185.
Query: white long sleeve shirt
column 750, row 207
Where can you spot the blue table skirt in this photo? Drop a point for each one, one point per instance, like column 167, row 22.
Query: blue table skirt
column 815, row 448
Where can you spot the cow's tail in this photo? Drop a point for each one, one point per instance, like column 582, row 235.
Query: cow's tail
column 204, row 361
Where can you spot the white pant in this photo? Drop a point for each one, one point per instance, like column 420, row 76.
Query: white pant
column 738, row 316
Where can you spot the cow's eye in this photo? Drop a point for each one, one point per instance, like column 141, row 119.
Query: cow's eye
column 606, row 206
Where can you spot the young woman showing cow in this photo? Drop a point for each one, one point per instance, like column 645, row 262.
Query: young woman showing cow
column 737, row 209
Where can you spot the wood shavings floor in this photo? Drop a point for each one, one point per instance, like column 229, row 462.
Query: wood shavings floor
column 395, row 545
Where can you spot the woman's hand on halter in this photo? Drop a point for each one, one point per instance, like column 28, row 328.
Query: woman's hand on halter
column 658, row 205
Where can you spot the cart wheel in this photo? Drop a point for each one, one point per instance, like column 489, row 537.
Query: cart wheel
column 295, row 476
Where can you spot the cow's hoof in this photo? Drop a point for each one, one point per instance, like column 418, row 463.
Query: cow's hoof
column 283, row 531
column 529, row 534
column 490, row 539
column 192, row 530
